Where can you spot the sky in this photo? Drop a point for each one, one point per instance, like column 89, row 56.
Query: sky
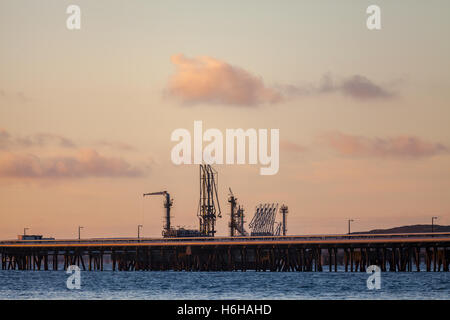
column 86, row 115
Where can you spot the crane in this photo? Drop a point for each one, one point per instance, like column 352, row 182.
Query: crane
column 167, row 204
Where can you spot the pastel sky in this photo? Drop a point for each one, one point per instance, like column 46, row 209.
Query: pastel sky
column 86, row 115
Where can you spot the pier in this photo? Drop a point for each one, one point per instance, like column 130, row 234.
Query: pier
column 391, row 252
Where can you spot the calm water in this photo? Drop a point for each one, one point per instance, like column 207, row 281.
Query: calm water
column 222, row 285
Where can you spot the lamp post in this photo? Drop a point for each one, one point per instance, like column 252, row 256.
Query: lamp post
column 79, row 232
column 432, row 224
column 349, row 221
column 139, row 229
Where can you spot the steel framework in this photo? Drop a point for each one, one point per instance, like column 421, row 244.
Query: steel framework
column 284, row 211
column 167, row 205
column 208, row 206
column 263, row 222
column 236, row 217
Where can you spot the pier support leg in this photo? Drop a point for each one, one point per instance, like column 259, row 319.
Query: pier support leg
column 335, row 259
column 445, row 259
column 346, row 258
column 428, row 255
column 351, row 259
column 393, row 262
column 55, row 260
column 329, row 259
column 417, row 258
column 434, row 258
column 46, row 261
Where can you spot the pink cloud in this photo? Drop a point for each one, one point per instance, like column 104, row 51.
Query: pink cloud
column 86, row 163
column 400, row 146
column 209, row 80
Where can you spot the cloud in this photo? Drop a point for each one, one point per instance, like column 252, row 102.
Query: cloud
column 35, row 140
column 400, row 146
column 357, row 87
column 41, row 140
column 44, row 139
column 86, row 163
column 209, row 80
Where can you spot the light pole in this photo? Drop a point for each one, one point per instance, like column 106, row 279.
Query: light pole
column 349, row 221
column 432, row 224
column 139, row 228
column 25, row 231
column 79, row 232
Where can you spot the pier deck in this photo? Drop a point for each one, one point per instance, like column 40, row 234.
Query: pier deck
column 391, row 252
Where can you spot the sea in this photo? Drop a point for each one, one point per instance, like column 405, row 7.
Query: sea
column 172, row 285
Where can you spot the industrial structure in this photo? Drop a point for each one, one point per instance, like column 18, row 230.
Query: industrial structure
column 236, row 217
column 199, row 250
column 167, row 229
column 263, row 222
column 208, row 206
column 284, row 211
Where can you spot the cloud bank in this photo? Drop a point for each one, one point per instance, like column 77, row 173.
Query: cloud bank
column 28, row 157
column 87, row 163
column 400, row 146
column 206, row 80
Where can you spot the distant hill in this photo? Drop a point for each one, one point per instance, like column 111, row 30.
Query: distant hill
column 418, row 228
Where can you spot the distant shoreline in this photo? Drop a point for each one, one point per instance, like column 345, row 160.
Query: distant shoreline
column 417, row 228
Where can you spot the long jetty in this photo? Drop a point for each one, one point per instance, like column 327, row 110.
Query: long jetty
column 355, row 252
